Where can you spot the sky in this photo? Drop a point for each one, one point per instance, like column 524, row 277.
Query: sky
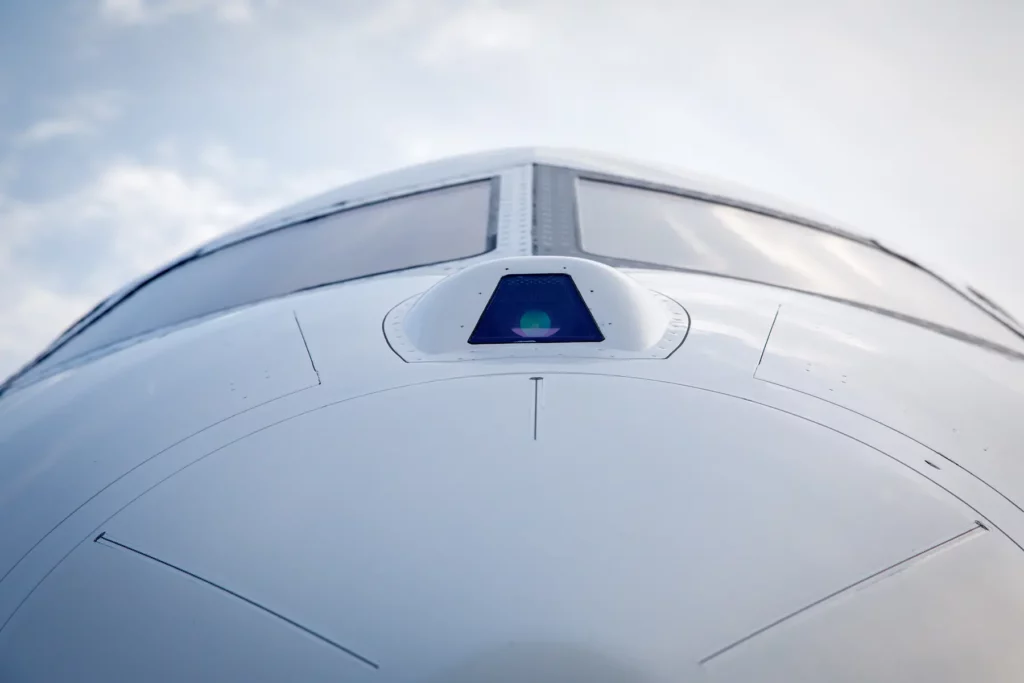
column 132, row 130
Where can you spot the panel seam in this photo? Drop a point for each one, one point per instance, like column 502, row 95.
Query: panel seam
column 978, row 527
column 305, row 344
column 536, row 403
column 109, row 542
column 767, row 339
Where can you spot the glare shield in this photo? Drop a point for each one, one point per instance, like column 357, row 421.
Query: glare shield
column 536, row 308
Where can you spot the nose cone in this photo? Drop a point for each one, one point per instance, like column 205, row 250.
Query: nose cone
column 505, row 528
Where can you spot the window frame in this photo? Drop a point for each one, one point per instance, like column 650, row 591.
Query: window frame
column 558, row 231
column 35, row 369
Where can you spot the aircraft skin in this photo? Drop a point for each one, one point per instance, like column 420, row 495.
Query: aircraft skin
column 770, row 450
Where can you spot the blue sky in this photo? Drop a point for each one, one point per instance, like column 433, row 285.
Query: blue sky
column 131, row 130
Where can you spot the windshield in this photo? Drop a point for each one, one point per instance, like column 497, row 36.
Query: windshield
column 653, row 227
column 430, row 227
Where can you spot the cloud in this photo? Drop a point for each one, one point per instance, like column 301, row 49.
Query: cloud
column 49, row 129
column 82, row 114
column 59, row 257
column 479, row 28
column 128, row 12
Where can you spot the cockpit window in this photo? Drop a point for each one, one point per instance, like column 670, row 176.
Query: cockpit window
column 416, row 230
column 634, row 226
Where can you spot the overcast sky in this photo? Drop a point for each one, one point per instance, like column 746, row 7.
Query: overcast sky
column 131, row 130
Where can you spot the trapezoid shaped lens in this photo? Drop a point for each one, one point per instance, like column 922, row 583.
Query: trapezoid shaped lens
column 536, row 308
